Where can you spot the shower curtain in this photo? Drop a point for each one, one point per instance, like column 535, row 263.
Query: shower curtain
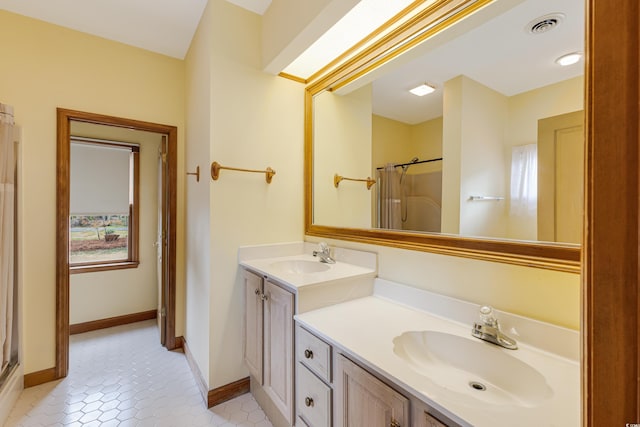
column 390, row 207
column 7, row 200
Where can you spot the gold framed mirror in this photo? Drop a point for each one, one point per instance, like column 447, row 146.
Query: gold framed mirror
column 417, row 36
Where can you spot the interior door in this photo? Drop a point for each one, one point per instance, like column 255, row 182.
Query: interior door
column 161, row 240
column 560, row 172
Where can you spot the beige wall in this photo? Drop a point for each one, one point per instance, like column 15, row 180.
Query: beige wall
column 474, row 165
column 482, row 161
column 397, row 142
column 197, row 197
column 426, row 143
column 100, row 295
column 545, row 295
column 452, row 155
column 255, row 120
column 388, row 141
column 342, row 134
column 45, row 66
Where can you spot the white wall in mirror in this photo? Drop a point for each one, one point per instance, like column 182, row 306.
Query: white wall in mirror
column 494, row 83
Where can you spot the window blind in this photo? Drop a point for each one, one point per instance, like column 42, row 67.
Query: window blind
column 100, row 179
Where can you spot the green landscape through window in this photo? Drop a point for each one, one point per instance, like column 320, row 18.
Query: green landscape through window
column 98, row 238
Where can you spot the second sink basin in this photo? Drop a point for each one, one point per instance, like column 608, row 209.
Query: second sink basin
column 300, row 266
column 466, row 367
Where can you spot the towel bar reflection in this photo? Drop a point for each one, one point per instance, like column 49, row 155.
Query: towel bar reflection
column 485, row 198
column 217, row 167
column 196, row 173
column 337, row 178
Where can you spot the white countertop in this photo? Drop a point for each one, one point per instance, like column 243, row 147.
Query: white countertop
column 351, row 277
column 335, row 272
column 365, row 329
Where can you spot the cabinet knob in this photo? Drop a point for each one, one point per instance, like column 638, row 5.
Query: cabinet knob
column 264, row 297
column 394, row 423
column 309, row 402
column 257, row 292
column 308, row 354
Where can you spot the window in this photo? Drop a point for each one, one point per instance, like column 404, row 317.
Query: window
column 98, row 238
column 524, row 180
column 103, row 231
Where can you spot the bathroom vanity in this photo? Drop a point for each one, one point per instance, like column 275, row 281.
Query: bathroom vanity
column 269, row 338
column 408, row 356
column 334, row 346
column 279, row 282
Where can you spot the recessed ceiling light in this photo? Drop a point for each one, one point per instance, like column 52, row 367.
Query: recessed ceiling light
column 569, row 59
column 422, row 90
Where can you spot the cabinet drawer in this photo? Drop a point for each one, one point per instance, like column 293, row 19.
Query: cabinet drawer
column 313, row 399
column 313, row 353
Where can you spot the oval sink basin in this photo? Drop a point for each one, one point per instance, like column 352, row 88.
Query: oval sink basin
column 467, row 367
column 299, row 266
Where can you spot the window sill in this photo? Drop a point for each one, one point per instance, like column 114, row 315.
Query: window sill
column 90, row 268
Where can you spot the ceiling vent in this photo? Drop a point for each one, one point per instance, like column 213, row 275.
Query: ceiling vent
column 544, row 23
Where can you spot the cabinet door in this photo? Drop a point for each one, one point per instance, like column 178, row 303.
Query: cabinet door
column 364, row 401
column 253, row 324
column 424, row 416
column 278, row 347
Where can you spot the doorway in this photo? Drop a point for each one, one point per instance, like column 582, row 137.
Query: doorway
column 167, row 178
column 560, row 177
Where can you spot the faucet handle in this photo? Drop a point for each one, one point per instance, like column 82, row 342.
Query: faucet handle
column 487, row 317
column 324, row 247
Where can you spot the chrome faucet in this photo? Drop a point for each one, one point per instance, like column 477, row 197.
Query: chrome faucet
column 324, row 254
column 488, row 329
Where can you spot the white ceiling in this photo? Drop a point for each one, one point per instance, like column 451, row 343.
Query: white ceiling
column 499, row 54
column 162, row 26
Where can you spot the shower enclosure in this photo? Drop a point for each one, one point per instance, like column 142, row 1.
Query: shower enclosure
column 10, row 374
column 409, row 200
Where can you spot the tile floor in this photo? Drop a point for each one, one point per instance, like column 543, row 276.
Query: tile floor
column 122, row 377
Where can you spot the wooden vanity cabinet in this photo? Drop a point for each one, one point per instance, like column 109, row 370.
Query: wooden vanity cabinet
column 362, row 400
column 268, row 339
column 314, row 393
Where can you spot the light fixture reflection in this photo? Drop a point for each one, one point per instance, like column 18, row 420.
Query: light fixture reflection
column 422, row 90
column 569, row 59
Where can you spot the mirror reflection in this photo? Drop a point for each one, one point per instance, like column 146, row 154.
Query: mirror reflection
column 494, row 150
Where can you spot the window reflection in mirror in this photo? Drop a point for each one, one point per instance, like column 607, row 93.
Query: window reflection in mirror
column 495, row 151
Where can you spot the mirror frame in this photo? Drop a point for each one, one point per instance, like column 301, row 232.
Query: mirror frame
column 401, row 33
